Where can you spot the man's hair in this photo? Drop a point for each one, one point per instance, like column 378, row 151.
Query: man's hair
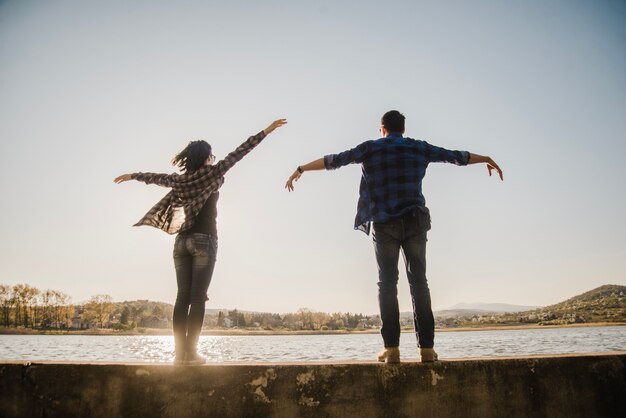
column 193, row 156
column 393, row 121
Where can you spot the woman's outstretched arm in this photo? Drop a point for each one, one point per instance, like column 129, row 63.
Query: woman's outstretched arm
column 226, row 164
column 122, row 178
column 164, row 180
column 222, row 166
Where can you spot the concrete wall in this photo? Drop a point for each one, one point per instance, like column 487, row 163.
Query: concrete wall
column 562, row 386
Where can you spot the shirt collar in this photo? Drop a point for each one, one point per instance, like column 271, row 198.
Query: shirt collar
column 394, row 135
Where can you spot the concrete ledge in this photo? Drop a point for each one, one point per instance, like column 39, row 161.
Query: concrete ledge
column 592, row 385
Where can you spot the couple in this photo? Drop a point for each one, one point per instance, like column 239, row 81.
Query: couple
column 390, row 202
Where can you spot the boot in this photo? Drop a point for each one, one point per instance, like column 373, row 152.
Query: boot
column 428, row 355
column 389, row 355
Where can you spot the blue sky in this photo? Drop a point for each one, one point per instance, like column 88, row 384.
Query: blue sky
column 90, row 90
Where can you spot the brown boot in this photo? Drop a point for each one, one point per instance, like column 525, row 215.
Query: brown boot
column 389, row 355
column 428, row 355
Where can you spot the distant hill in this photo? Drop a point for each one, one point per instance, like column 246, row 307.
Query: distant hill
column 600, row 296
column 604, row 304
column 481, row 309
column 451, row 313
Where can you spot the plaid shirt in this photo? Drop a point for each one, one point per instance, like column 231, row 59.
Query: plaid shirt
column 178, row 210
column 393, row 168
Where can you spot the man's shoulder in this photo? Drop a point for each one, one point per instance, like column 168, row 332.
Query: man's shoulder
column 414, row 141
column 399, row 141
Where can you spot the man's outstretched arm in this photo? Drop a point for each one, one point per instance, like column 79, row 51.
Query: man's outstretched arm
column 332, row 162
column 491, row 164
column 312, row 166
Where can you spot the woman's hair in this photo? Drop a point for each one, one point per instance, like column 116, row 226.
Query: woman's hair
column 193, row 156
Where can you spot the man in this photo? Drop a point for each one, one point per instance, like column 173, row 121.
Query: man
column 390, row 198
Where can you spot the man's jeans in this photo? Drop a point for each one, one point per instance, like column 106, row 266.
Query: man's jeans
column 194, row 259
column 409, row 234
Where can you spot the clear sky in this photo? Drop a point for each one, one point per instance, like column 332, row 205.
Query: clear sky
column 90, row 90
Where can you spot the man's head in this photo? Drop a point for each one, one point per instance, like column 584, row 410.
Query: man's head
column 392, row 121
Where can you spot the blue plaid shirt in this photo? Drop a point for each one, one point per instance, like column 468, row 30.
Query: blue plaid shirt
column 393, row 168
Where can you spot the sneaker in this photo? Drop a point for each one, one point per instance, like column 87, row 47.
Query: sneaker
column 428, row 355
column 389, row 355
column 194, row 359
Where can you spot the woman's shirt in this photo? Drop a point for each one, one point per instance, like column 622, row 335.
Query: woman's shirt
column 178, row 210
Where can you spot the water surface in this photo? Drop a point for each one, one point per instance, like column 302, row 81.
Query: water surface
column 294, row 348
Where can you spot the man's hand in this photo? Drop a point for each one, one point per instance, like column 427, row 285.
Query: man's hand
column 122, row 178
column 276, row 124
column 312, row 166
column 491, row 165
column 294, row 177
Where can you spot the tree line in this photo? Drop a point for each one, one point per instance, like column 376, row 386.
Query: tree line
column 303, row 319
column 26, row 306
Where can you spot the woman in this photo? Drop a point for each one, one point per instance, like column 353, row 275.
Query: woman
column 190, row 210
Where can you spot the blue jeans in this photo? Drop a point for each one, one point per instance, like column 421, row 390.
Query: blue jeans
column 194, row 259
column 409, row 234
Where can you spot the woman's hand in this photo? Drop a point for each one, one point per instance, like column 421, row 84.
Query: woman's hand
column 276, row 124
column 122, row 178
column 294, row 177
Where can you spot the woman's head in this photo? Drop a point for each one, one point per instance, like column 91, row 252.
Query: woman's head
column 193, row 156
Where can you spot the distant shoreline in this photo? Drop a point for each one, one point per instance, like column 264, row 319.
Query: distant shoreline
column 252, row 332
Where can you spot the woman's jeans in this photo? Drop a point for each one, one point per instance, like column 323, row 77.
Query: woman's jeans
column 194, row 259
column 409, row 234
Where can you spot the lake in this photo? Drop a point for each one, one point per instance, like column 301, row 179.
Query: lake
column 295, row 348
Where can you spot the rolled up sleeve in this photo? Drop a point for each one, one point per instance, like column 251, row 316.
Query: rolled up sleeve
column 354, row 155
column 164, row 180
column 441, row 155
